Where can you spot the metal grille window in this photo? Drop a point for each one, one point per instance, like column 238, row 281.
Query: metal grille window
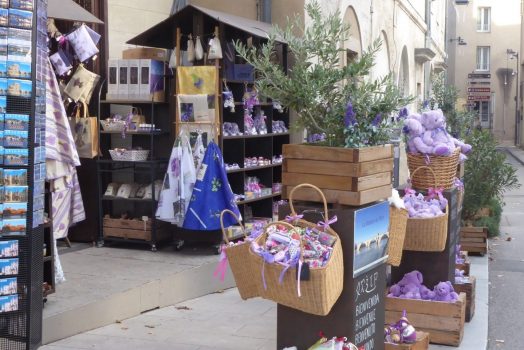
column 483, row 58
column 484, row 19
column 484, row 111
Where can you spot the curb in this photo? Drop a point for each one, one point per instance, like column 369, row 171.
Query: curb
column 513, row 153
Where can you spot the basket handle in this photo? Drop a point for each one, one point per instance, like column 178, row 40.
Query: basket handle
column 222, row 224
column 430, row 170
column 294, row 213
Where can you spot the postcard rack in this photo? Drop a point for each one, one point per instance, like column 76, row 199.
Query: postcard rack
column 23, row 55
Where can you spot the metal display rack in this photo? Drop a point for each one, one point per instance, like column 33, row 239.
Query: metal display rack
column 21, row 313
column 158, row 143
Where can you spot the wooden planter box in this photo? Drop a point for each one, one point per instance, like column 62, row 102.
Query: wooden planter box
column 474, row 239
column 466, row 266
column 422, row 343
column 345, row 175
column 134, row 229
column 443, row 321
column 469, row 289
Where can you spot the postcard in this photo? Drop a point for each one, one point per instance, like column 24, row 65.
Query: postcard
column 14, row 227
column 22, row 5
column 18, row 122
column 3, row 86
column 3, row 102
column 15, row 177
column 8, row 249
column 18, row 87
column 9, row 303
column 4, row 4
column 4, row 17
column 15, row 210
column 18, row 69
column 18, row 36
column 4, row 32
column 20, row 19
column 15, row 194
column 19, row 53
column 15, row 138
column 39, row 203
column 8, row 286
column 3, row 68
column 9, row 267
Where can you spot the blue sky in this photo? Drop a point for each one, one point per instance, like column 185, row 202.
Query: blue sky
column 370, row 221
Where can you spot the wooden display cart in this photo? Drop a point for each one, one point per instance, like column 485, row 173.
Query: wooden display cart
column 442, row 320
column 474, row 239
column 422, row 343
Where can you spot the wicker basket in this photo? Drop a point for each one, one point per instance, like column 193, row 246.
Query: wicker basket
column 398, row 219
column 129, row 155
column 113, row 125
column 325, row 284
column 444, row 168
column 429, row 234
column 242, row 266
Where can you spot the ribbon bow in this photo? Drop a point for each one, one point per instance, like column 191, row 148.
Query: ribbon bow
column 325, row 225
column 409, row 191
column 293, row 218
column 435, row 192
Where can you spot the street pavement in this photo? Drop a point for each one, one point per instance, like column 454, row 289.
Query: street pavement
column 506, row 269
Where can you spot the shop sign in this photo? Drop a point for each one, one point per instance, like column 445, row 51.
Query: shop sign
column 479, row 98
column 480, row 89
column 479, row 76
column 371, row 237
column 369, row 309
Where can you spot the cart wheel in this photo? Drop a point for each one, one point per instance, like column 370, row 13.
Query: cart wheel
column 153, row 248
column 100, row 244
column 178, row 245
column 217, row 249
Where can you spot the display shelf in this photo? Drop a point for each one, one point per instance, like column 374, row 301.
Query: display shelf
column 145, row 133
column 260, row 198
column 132, row 102
column 253, row 168
column 269, row 134
column 111, row 198
column 144, row 162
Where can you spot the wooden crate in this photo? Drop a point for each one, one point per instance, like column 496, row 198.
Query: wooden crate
column 469, row 289
column 422, row 343
column 466, row 265
column 134, row 229
column 443, row 321
column 346, row 176
column 474, row 239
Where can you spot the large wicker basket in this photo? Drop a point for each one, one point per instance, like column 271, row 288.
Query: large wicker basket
column 444, row 168
column 242, row 266
column 427, row 234
column 398, row 219
column 325, row 284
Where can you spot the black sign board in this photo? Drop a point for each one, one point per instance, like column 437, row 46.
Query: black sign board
column 479, row 76
column 359, row 312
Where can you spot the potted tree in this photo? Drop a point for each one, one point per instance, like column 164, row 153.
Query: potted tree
column 347, row 115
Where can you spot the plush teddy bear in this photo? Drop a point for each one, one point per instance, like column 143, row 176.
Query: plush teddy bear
column 414, row 130
column 426, row 293
column 410, row 291
column 444, row 292
column 413, row 278
column 436, row 135
column 395, row 291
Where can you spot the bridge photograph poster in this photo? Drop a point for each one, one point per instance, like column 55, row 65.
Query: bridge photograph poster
column 371, row 237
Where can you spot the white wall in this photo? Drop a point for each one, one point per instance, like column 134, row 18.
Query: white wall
column 128, row 18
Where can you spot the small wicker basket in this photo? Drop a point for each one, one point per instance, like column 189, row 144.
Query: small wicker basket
column 242, row 266
column 113, row 125
column 427, row 234
column 444, row 170
column 321, row 291
column 398, row 219
column 135, row 155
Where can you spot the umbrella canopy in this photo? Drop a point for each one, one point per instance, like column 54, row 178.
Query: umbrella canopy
column 70, row 11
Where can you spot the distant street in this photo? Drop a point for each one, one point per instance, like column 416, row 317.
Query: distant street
column 506, row 271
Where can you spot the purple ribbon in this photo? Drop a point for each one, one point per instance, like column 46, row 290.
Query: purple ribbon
column 293, row 218
column 268, row 258
column 427, row 160
column 220, row 271
column 409, row 191
column 325, row 225
column 435, row 192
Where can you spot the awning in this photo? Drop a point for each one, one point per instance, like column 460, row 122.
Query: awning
column 70, row 11
column 156, row 35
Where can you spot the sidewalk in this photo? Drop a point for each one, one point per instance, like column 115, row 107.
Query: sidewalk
column 223, row 321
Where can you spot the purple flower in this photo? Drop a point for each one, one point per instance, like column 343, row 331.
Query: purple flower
column 349, row 118
column 377, row 119
column 403, row 113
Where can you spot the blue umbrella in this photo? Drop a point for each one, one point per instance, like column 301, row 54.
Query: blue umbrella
column 211, row 194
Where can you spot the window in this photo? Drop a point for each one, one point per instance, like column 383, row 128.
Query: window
column 484, row 19
column 483, row 58
column 484, row 111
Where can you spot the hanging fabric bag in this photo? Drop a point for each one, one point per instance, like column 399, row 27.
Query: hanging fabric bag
column 190, row 49
column 199, row 50
column 85, row 132
column 81, row 40
column 81, row 85
column 215, row 49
